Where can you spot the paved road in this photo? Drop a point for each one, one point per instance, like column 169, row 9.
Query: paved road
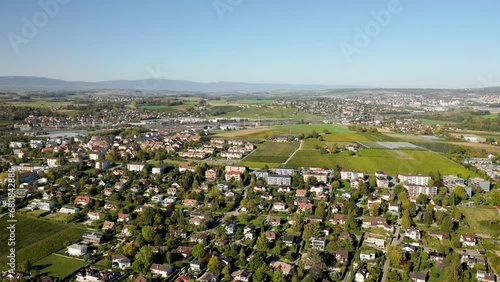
column 396, row 240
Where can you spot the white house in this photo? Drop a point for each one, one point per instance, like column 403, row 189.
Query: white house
column 361, row 275
column 413, row 233
column 367, row 255
column 69, row 210
column 162, row 270
column 136, row 166
column 77, row 250
column 121, row 261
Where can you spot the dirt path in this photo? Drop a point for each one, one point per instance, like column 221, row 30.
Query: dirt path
column 299, row 148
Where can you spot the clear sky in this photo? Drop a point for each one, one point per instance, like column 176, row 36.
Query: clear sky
column 426, row 43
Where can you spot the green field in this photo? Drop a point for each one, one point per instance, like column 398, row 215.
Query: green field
column 491, row 116
column 36, row 238
column 58, row 266
column 272, row 152
column 436, row 146
column 434, row 122
column 268, row 113
column 390, row 161
column 482, row 220
column 160, row 108
column 258, row 164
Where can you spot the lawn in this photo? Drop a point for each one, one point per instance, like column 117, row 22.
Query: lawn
column 482, row 220
column 58, row 266
column 36, row 238
column 390, row 161
column 272, row 152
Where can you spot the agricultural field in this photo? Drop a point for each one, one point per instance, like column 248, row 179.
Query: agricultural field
column 36, row 238
column 434, row 122
column 336, row 133
column 388, row 145
column 224, row 102
column 272, row 152
column 484, row 221
column 491, row 116
column 436, row 146
column 160, row 108
column 255, row 113
column 58, row 266
column 371, row 160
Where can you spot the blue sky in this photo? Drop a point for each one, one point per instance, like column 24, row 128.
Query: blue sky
column 452, row 44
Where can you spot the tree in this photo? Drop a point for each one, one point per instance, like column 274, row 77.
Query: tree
column 312, row 229
column 260, row 274
column 262, row 243
column 148, row 233
column 214, row 265
column 453, row 272
column 395, row 255
column 278, row 276
column 25, row 266
column 277, row 249
column 428, row 216
column 198, row 251
column 495, row 197
column 312, row 180
column 143, row 260
column 460, row 192
column 316, row 263
column 406, row 220
column 447, row 224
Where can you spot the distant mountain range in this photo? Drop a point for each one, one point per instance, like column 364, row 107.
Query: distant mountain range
column 31, row 83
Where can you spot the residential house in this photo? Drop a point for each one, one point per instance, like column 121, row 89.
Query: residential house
column 361, row 275
column 196, row 266
column 421, row 180
column 318, row 243
column 92, row 237
column 341, row 256
column 136, row 166
column 468, row 240
column 367, row 255
column 162, row 270
column 242, row 275
column 209, row 277
column 82, row 200
column 286, row 268
column 279, row 206
column 77, row 250
column 413, row 233
column 418, row 276
column 121, row 261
